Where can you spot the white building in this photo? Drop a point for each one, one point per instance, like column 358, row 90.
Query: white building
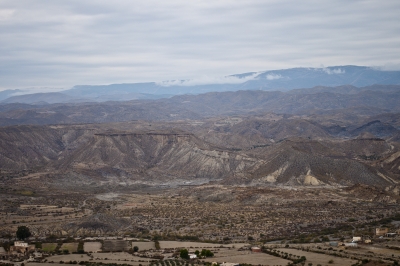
column 20, row 244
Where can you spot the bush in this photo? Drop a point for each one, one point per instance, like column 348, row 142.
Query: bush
column 184, row 254
column 206, row 253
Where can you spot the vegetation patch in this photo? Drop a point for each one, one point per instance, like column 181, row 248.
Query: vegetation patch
column 49, row 247
column 71, row 247
column 26, row 192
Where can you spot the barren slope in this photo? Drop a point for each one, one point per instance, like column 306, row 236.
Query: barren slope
column 174, row 154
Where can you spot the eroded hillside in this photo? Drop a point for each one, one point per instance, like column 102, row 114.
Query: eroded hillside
column 270, row 150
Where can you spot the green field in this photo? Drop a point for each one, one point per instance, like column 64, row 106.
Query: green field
column 49, row 247
column 71, row 247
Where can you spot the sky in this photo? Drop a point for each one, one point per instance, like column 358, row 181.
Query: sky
column 56, row 44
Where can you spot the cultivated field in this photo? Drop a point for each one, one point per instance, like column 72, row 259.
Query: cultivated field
column 49, row 247
column 71, row 247
column 316, row 259
column 178, row 244
column 235, row 256
column 144, row 245
column 92, row 246
column 69, row 257
column 118, row 257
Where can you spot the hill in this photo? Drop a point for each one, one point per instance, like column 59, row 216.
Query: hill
column 131, row 154
column 213, row 104
column 42, row 98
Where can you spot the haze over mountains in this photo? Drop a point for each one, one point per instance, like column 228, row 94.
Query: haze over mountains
column 274, row 80
column 372, row 100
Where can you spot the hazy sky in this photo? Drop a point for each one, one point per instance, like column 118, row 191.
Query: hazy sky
column 61, row 43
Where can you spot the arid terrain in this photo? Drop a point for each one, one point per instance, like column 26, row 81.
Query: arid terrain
column 253, row 176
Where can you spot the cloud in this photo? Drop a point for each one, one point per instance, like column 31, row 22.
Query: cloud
column 31, row 90
column 6, row 14
column 273, row 76
column 389, row 67
column 209, row 80
column 330, row 71
column 63, row 43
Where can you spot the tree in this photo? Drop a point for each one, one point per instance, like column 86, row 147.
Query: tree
column 184, row 254
column 206, row 253
column 135, row 249
column 23, row 232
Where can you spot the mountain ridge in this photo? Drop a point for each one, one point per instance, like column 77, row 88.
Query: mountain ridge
column 374, row 100
column 282, row 80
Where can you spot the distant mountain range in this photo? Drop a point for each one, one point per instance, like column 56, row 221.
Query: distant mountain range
column 349, row 100
column 274, row 80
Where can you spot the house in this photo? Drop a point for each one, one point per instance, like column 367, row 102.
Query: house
column 255, row 249
column 356, row 239
column 21, row 247
column 20, row 244
column 192, row 256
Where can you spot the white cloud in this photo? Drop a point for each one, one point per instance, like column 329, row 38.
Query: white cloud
column 389, row 67
column 273, row 76
column 34, row 90
column 208, row 80
column 333, row 71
